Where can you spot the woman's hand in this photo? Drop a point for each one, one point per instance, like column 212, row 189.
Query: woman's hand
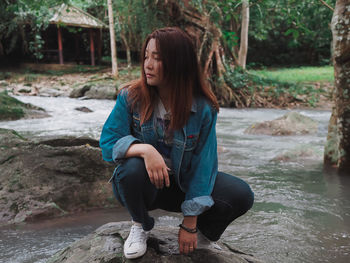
column 156, row 167
column 187, row 241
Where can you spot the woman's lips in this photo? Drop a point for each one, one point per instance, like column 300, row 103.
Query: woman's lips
column 149, row 76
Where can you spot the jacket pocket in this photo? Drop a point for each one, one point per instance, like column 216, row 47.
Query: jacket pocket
column 191, row 142
column 136, row 127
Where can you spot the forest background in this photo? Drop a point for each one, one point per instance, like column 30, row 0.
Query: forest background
column 242, row 45
column 284, row 33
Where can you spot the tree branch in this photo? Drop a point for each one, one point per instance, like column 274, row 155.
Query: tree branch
column 331, row 8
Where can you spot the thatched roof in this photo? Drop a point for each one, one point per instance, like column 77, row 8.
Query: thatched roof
column 73, row 16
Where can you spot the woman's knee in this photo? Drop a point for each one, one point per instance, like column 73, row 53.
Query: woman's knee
column 132, row 170
column 247, row 196
column 240, row 196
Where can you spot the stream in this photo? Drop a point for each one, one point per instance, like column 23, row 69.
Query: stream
column 300, row 214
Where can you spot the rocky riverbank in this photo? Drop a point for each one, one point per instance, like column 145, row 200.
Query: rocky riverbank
column 50, row 177
column 106, row 245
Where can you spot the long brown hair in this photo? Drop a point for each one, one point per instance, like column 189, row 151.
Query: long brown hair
column 182, row 74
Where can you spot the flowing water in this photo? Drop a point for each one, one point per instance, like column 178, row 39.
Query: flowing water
column 300, row 214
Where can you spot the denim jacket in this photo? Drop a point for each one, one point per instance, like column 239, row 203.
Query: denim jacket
column 193, row 154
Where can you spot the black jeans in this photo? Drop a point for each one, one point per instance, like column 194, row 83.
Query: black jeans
column 232, row 198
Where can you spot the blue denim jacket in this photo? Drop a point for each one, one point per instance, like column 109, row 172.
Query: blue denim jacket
column 193, row 154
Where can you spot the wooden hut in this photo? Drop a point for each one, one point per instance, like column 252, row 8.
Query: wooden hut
column 69, row 16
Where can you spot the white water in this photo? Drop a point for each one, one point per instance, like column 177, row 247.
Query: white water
column 300, row 214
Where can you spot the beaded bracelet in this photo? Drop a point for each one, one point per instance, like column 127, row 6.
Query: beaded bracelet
column 189, row 230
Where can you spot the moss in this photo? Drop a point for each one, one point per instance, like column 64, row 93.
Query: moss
column 10, row 108
column 13, row 109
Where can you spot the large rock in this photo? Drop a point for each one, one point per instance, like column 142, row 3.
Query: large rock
column 103, row 90
column 300, row 154
column 292, row 123
column 106, row 245
column 13, row 109
column 49, row 177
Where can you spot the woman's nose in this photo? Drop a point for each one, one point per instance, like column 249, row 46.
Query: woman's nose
column 148, row 63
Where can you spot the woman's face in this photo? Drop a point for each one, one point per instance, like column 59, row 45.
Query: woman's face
column 153, row 65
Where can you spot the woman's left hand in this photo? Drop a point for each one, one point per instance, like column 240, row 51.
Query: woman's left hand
column 187, row 241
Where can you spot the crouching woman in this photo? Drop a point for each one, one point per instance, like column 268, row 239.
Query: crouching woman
column 161, row 135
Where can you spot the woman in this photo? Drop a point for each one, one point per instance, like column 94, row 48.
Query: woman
column 161, row 134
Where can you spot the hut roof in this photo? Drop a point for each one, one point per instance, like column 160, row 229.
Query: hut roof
column 73, row 16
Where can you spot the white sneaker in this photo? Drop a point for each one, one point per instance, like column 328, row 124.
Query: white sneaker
column 136, row 244
column 204, row 243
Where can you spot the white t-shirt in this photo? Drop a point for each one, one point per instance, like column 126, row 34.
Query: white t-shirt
column 165, row 136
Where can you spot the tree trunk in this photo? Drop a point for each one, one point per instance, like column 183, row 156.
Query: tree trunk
column 128, row 52
column 243, row 49
column 112, row 36
column 206, row 35
column 337, row 150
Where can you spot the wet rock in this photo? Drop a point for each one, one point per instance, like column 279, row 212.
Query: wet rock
column 292, row 123
column 79, row 91
column 51, row 176
column 106, row 245
column 13, row 109
column 47, row 92
column 4, row 83
column 103, row 90
column 301, row 154
column 83, row 109
column 25, row 89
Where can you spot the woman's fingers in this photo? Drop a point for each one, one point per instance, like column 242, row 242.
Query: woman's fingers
column 166, row 177
column 156, row 179
column 151, row 177
column 185, row 248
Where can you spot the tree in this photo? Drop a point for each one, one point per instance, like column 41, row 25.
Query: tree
column 337, row 150
column 243, row 49
column 290, row 32
column 112, row 37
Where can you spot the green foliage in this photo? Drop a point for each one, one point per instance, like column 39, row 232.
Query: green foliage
column 5, row 75
column 290, row 32
column 230, row 38
column 239, row 79
column 280, row 33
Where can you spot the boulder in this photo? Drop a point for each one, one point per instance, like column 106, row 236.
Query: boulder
column 79, row 91
column 50, row 177
column 83, row 109
column 106, row 245
column 99, row 90
column 13, row 109
column 102, row 92
column 292, row 123
column 300, row 154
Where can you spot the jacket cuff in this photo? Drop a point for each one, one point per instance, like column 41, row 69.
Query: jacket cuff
column 196, row 205
column 122, row 146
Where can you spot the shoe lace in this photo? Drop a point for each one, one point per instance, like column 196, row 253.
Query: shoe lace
column 137, row 234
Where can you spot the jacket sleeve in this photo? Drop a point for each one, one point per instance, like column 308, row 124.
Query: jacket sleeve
column 204, row 167
column 116, row 135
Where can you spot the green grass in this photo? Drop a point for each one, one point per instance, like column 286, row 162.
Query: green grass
column 298, row 75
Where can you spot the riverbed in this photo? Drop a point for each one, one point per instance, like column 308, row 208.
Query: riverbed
column 301, row 214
